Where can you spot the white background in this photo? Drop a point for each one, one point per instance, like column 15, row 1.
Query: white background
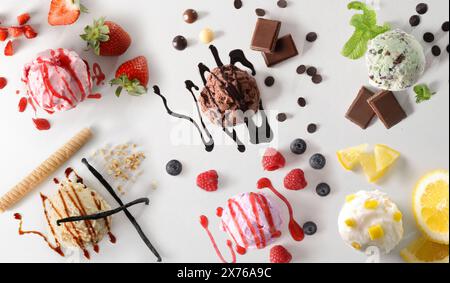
column 171, row 220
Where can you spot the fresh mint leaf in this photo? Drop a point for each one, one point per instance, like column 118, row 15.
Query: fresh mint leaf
column 423, row 93
column 366, row 29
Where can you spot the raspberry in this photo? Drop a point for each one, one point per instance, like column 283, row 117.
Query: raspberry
column 9, row 49
column 279, row 254
column 273, row 160
column 295, row 180
column 208, row 181
column 23, row 19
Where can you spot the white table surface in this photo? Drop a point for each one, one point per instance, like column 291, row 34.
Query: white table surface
column 171, row 220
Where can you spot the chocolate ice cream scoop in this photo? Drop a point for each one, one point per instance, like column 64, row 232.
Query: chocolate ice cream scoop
column 230, row 95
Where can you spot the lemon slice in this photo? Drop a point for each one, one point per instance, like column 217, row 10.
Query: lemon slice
column 430, row 204
column 424, row 251
column 385, row 157
column 349, row 157
column 369, row 166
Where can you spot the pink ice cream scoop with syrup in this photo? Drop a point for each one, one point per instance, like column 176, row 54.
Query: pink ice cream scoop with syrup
column 57, row 80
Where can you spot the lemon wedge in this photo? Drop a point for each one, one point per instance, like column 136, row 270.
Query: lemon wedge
column 425, row 251
column 369, row 165
column 385, row 157
column 430, row 204
column 350, row 157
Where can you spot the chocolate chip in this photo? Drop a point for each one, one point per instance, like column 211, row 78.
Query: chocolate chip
column 237, row 4
column 428, row 37
column 190, row 16
column 445, row 26
column 281, row 117
column 301, row 102
column 312, row 128
column 436, row 51
column 311, row 71
column 301, row 69
column 422, row 8
column 414, row 20
column 282, row 3
column 269, row 81
column 317, row 79
column 311, row 37
column 179, row 42
column 260, row 12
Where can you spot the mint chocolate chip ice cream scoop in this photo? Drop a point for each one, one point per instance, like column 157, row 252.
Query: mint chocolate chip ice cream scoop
column 395, row 60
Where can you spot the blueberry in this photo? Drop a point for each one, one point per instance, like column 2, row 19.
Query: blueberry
column 323, row 189
column 174, row 167
column 298, row 146
column 310, row 228
column 318, row 161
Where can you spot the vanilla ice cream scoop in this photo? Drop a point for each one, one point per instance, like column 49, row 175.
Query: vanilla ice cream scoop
column 74, row 199
column 395, row 60
column 57, row 80
column 251, row 220
column 371, row 219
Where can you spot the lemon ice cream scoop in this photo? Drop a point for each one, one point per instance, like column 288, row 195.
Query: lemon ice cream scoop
column 395, row 60
column 371, row 219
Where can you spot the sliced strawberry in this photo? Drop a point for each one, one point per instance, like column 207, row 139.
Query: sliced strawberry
column 23, row 19
column 132, row 76
column 9, row 49
column 64, row 12
column 3, row 82
column 29, row 32
column 3, row 34
column 106, row 38
column 15, row 31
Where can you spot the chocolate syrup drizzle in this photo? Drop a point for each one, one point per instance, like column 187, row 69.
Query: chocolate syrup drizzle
column 258, row 134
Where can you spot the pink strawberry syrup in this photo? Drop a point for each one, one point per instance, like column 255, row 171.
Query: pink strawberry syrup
column 23, row 103
column 42, row 124
column 294, row 228
column 99, row 76
column 205, row 224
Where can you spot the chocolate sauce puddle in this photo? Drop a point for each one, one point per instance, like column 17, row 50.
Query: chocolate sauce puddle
column 257, row 134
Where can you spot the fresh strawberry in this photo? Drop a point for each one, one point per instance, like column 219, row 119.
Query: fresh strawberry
column 208, row 181
column 64, row 12
column 295, row 180
column 15, row 31
column 3, row 82
column 279, row 254
column 3, row 34
column 132, row 76
column 106, row 38
column 23, row 19
column 29, row 32
column 273, row 160
column 9, row 49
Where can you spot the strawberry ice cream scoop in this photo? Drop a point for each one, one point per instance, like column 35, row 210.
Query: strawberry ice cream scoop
column 57, row 80
column 252, row 221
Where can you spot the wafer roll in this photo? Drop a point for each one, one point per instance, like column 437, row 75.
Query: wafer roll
column 46, row 169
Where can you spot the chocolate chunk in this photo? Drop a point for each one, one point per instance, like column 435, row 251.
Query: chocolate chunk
column 445, row 26
column 301, row 69
column 428, row 37
column 301, row 102
column 285, row 49
column 190, row 16
column 311, row 37
column 265, row 35
column 360, row 111
column 281, row 117
column 260, row 12
column 312, row 128
column 422, row 8
column 311, row 71
column 436, row 51
column 269, row 81
column 317, row 79
column 387, row 108
column 282, row 3
column 414, row 20
column 180, row 42
column 237, row 4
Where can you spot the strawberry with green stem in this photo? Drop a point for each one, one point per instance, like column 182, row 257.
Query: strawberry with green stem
column 132, row 76
column 106, row 38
